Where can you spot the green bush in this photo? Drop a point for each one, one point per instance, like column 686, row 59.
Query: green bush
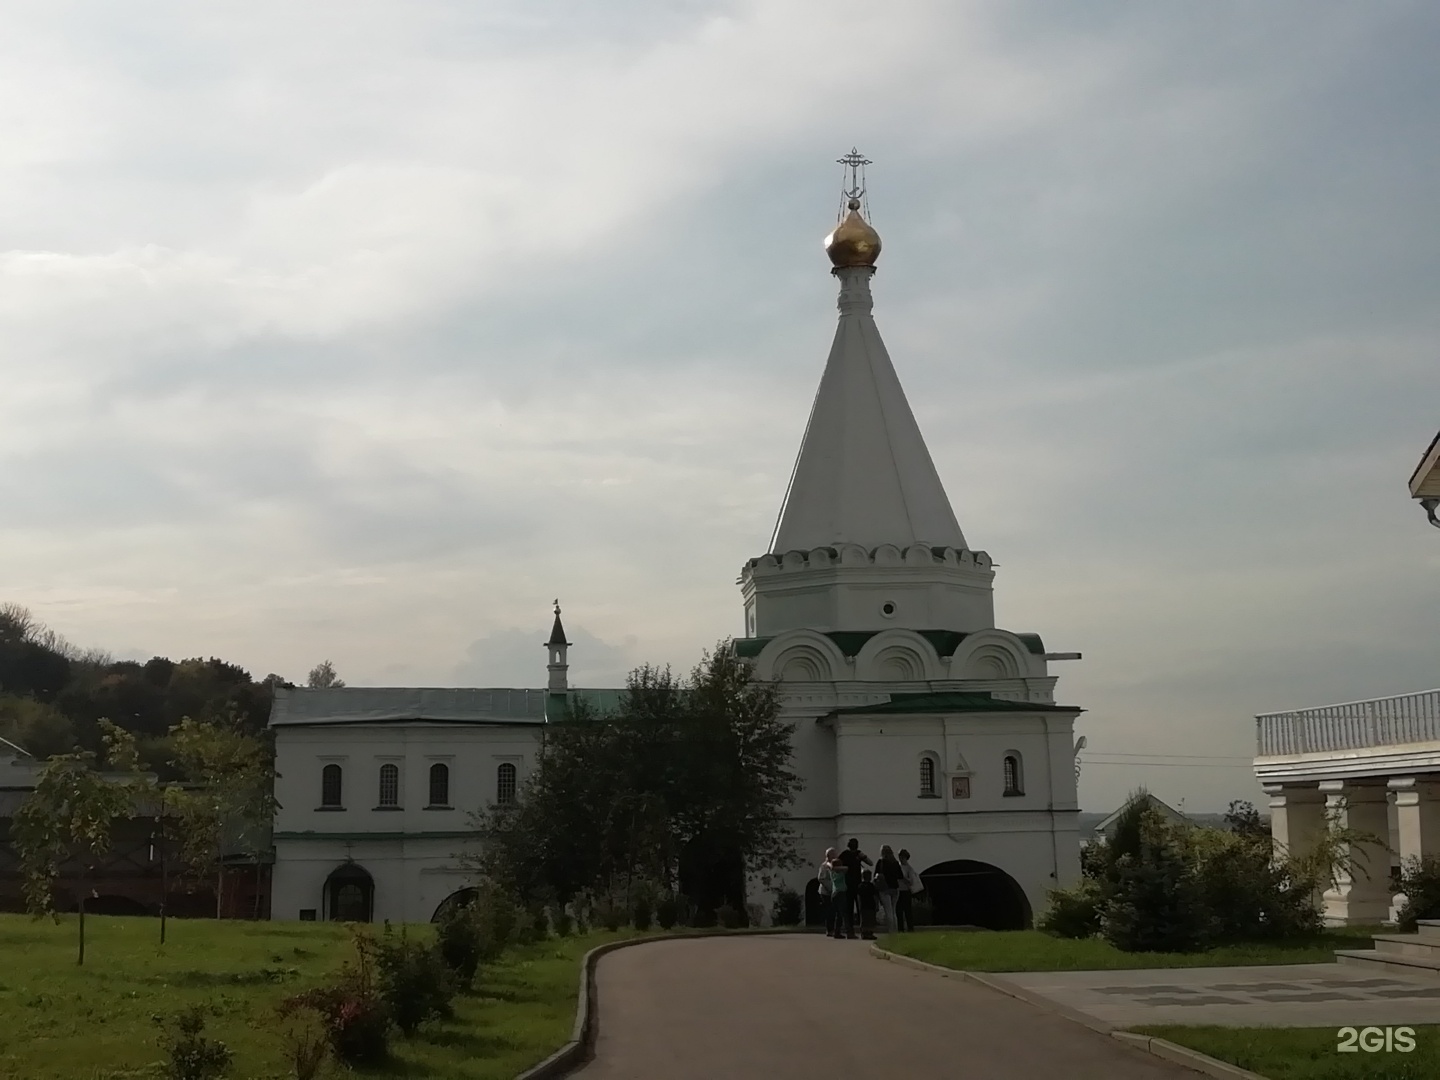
column 355, row 1018
column 667, row 912
column 1248, row 894
column 1155, row 902
column 1420, row 882
column 609, row 914
column 191, row 1056
column 788, row 909
column 413, row 981
column 562, row 922
column 459, row 940
column 730, row 917
column 1074, row 912
column 641, row 913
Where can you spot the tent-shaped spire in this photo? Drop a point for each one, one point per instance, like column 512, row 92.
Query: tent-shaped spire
column 557, row 632
column 864, row 475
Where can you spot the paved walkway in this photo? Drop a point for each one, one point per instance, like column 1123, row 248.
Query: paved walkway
column 1291, row 995
column 803, row 1006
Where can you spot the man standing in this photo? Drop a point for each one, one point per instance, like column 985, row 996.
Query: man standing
column 854, row 860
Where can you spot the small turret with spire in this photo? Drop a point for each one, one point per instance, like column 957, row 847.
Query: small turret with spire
column 559, row 650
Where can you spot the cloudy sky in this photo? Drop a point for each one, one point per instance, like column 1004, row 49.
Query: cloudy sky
column 363, row 330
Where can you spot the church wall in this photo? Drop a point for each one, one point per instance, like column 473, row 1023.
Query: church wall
column 412, row 876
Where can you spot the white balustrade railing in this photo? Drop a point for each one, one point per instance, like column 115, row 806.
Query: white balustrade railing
column 1354, row 725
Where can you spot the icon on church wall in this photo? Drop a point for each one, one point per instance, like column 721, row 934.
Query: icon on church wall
column 959, row 787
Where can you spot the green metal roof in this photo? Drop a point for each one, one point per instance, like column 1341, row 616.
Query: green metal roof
column 852, row 641
column 950, row 701
column 557, row 705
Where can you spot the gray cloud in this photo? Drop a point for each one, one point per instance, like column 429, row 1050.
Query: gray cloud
column 364, row 338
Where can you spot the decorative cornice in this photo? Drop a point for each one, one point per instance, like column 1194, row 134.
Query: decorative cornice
column 916, row 555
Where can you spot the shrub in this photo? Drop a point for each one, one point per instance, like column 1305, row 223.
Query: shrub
column 731, row 918
column 305, row 1049
column 355, row 1018
column 1155, row 903
column 667, row 912
column 190, row 1055
column 1247, row 894
column 1420, row 882
column 1074, row 912
column 641, row 914
column 562, row 921
column 703, row 918
column 413, row 981
column 788, row 908
column 610, row 915
column 458, row 939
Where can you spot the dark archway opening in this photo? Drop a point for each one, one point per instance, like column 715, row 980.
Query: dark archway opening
column 963, row 892
column 459, row 899
column 350, row 894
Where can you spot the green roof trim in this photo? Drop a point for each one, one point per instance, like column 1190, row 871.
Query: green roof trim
column 852, row 641
column 949, row 701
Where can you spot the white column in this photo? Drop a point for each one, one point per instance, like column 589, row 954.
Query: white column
column 1361, row 893
column 1417, row 822
column 1297, row 817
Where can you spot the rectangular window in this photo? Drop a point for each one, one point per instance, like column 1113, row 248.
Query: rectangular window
column 389, row 785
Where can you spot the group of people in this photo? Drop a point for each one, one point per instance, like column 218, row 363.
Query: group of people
column 854, row 889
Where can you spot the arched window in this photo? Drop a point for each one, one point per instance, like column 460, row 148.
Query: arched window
column 927, row 776
column 350, row 894
column 439, row 784
column 389, row 785
column 1014, row 778
column 505, row 783
column 330, row 778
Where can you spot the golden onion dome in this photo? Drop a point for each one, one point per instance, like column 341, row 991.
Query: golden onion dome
column 854, row 242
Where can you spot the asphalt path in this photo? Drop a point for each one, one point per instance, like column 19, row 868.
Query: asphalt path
column 801, row 1006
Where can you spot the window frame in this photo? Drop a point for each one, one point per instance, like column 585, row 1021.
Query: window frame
column 394, row 802
column 502, row 770
column 339, row 774
column 438, row 804
column 1012, row 771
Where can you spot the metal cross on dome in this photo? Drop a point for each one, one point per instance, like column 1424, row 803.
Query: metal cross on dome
column 852, row 187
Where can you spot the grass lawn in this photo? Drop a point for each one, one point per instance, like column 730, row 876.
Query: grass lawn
column 1306, row 1053
column 1030, row 950
column 93, row 1022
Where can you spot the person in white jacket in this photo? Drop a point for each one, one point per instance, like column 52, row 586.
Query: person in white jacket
column 910, row 887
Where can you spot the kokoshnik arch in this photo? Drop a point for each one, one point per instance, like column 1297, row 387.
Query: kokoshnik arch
column 916, row 721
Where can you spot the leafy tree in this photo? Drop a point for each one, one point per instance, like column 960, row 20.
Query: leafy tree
column 69, row 817
column 36, row 726
column 228, row 797
column 1243, row 819
column 323, row 677
column 687, row 780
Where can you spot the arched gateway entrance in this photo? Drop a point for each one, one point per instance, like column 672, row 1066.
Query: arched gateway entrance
column 963, row 892
column 350, row 894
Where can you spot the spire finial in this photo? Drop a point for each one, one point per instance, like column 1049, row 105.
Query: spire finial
column 854, row 242
column 852, row 183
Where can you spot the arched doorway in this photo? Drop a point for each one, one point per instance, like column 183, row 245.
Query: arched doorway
column 460, row 898
column 350, row 894
column 963, row 892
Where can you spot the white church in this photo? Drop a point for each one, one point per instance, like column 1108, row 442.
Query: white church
column 917, row 721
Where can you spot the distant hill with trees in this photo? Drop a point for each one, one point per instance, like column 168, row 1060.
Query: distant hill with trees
column 53, row 694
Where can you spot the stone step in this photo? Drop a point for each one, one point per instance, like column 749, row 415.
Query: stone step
column 1393, row 963
column 1429, row 929
column 1407, row 945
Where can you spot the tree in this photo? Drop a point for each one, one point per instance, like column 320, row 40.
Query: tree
column 69, row 817
column 228, row 797
column 686, row 780
column 323, row 677
column 38, row 727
